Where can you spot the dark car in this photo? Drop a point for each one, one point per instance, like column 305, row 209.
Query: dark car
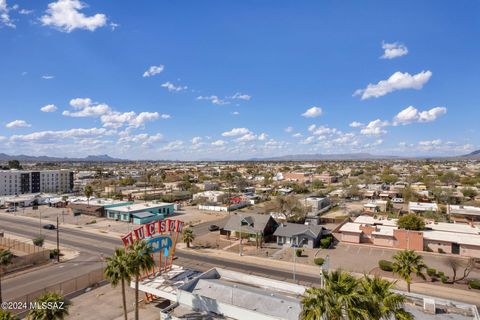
column 49, row 226
column 213, row 227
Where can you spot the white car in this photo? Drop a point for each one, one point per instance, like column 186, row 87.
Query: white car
column 398, row 200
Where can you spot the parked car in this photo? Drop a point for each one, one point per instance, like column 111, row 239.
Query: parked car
column 398, row 200
column 213, row 227
column 12, row 209
column 49, row 226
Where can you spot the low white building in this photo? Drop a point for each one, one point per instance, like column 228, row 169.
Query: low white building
column 416, row 207
column 210, row 196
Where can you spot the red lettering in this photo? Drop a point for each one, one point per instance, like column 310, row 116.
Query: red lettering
column 150, row 228
column 140, row 233
column 127, row 240
column 179, row 227
column 163, row 226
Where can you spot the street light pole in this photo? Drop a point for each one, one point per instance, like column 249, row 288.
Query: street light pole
column 241, row 251
column 58, row 242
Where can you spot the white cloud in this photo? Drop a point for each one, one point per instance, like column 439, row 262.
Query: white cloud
column 18, row 124
column 47, row 77
column 430, row 142
column 313, row 112
column 412, row 114
column 308, row 140
column 142, row 139
column 56, row 136
column 235, row 132
column 393, row 50
column 24, row 11
column 173, row 88
column 49, row 108
column 173, row 146
column 65, row 15
column 262, row 137
column 153, row 70
column 356, row 124
column 241, row 96
column 196, row 140
column 397, row 81
column 85, row 107
column 247, row 137
column 4, row 14
column 375, row 128
column 289, row 129
column 219, row 143
column 297, row 135
column 165, row 116
column 214, row 99
column 432, row 114
column 236, row 113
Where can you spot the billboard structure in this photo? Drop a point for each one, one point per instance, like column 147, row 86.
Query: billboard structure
column 162, row 236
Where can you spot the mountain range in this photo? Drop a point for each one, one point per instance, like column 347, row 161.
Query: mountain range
column 475, row 155
column 90, row 158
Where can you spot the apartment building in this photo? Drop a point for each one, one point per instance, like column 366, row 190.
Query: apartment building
column 14, row 182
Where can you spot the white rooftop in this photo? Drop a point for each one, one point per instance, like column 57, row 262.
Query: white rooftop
column 139, row 206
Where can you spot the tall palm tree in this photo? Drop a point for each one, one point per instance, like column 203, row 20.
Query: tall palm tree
column 406, row 263
column 140, row 261
column 188, row 236
column 57, row 311
column 5, row 259
column 384, row 304
column 118, row 271
column 88, row 191
column 6, row 315
column 339, row 300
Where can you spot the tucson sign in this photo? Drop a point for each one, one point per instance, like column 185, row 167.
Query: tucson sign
column 152, row 229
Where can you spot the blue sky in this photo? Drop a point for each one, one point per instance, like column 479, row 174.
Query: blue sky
column 238, row 79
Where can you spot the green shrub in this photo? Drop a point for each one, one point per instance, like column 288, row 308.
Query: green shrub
column 444, row 279
column 38, row 241
column 385, row 265
column 298, row 252
column 325, row 243
column 54, row 253
column 432, row 272
column 319, row 261
column 474, row 284
column 441, row 274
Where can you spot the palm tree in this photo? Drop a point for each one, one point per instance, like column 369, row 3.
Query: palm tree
column 118, row 270
column 5, row 259
column 57, row 311
column 339, row 300
column 384, row 304
column 88, row 191
column 140, row 261
column 5, row 315
column 188, row 236
column 407, row 262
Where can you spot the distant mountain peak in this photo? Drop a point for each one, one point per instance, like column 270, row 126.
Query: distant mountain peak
column 475, row 154
column 89, row 158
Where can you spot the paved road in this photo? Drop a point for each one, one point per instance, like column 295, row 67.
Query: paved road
column 202, row 228
column 91, row 246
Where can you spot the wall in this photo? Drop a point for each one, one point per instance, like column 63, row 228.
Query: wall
column 470, row 251
column 434, row 245
column 406, row 239
column 350, row 237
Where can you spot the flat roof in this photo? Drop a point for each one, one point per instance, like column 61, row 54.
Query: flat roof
column 139, row 206
column 460, row 238
column 351, row 227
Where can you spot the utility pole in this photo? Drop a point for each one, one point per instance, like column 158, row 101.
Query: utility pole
column 294, row 260
column 241, row 252
column 58, row 243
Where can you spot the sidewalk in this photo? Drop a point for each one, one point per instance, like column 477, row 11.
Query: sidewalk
column 448, row 293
